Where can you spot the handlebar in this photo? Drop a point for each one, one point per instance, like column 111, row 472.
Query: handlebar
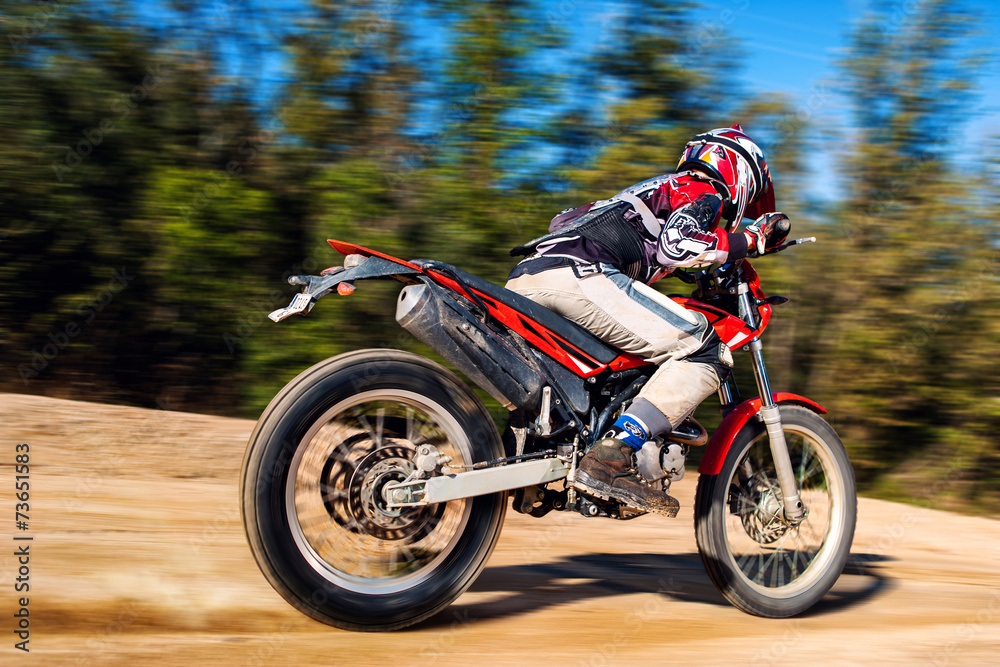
column 781, row 229
column 723, row 279
column 785, row 246
column 724, row 272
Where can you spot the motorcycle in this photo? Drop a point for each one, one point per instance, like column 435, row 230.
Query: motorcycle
column 374, row 485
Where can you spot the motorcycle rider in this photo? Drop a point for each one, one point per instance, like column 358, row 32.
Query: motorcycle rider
column 594, row 267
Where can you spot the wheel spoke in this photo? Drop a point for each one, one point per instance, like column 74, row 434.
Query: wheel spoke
column 774, row 554
column 410, row 433
column 379, row 425
column 769, row 553
column 815, row 466
column 741, row 563
column 376, row 437
column 331, row 493
column 812, row 529
column 339, row 506
column 806, row 453
column 790, row 561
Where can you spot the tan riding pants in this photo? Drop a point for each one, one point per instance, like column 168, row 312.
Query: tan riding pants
column 635, row 318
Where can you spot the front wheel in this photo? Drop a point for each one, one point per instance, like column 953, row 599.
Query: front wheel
column 759, row 562
column 313, row 507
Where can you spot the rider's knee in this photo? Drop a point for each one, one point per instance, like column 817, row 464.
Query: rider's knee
column 713, row 352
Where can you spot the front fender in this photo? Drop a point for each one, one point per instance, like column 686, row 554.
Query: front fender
column 722, row 439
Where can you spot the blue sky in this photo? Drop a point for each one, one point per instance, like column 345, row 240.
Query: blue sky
column 788, row 47
column 792, row 48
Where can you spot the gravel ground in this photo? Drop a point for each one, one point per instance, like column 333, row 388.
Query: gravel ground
column 138, row 557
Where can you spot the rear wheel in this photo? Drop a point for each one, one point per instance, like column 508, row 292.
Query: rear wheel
column 313, row 508
column 760, row 562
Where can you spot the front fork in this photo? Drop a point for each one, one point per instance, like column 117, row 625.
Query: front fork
column 771, row 415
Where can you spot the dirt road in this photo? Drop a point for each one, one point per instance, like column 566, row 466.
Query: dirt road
column 138, row 557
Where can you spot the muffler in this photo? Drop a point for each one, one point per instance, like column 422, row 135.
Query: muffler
column 486, row 356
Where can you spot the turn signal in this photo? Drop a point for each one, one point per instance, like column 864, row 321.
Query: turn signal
column 345, row 289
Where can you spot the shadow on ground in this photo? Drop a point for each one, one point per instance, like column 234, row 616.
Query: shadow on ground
column 531, row 587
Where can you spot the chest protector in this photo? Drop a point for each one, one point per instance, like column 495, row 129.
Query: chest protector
column 604, row 223
column 606, row 226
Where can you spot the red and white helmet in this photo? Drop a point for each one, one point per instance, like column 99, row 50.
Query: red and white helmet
column 728, row 155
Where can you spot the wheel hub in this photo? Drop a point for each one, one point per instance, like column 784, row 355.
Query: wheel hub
column 367, row 498
column 759, row 506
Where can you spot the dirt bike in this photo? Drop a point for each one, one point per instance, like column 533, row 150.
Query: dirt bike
column 375, row 483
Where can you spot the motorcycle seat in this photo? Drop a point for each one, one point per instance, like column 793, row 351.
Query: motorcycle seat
column 570, row 332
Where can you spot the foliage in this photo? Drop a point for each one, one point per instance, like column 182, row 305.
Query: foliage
column 139, row 145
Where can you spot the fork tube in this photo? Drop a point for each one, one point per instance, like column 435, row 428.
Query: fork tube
column 725, row 394
column 771, row 415
column 759, row 372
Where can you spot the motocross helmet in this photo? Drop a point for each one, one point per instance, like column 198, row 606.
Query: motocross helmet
column 730, row 157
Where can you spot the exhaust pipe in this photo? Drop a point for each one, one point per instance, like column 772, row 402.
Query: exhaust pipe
column 443, row 323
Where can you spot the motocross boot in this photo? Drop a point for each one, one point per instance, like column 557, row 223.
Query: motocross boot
column 608, row 472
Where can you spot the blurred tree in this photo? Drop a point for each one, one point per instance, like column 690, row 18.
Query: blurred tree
column 654, row 80
column 156, row 191
column 895, row 360
column 78, row 119
column 98, row 107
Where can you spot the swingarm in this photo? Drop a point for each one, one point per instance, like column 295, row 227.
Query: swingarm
column 419, row 490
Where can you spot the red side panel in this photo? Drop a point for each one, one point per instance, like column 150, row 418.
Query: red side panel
column 722, row 439
column 547, row 342
column 345, row 249
column 732, row 330
column 627, row 361
column 753, row 280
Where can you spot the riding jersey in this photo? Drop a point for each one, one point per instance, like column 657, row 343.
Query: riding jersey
column 646, row 231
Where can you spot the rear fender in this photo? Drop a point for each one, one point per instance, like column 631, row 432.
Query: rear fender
column 370, row 267
column 722, row 439
column 345, row 248
column 315, row 288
